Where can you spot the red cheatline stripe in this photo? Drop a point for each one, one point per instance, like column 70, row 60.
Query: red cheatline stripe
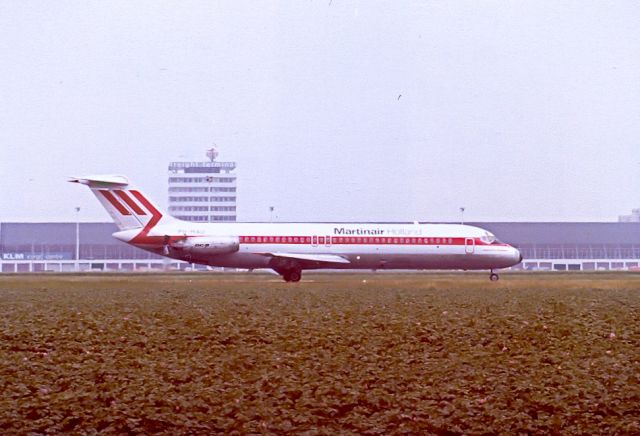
column 360, row 240
column 114, row 202
column 132, row 204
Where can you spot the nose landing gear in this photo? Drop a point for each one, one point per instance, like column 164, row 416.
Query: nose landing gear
column 494, row 277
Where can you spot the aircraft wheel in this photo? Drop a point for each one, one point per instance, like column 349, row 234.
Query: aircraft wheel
column 494, row 277
column 292, row 276
column 295, row 276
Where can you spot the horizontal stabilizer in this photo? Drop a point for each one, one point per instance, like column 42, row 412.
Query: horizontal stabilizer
column 326, row 258
column 101, row 181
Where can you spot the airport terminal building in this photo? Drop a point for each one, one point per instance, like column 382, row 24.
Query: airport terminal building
column 60, row 247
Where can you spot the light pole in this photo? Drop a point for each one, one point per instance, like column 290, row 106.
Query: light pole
column 462, row 215
column 77, row 238
column 271, row 209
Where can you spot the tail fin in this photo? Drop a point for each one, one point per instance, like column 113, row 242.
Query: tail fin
column 129, row 208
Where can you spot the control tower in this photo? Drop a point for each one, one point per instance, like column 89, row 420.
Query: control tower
column 203, row 191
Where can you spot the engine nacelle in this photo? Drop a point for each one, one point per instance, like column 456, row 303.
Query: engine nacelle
column 209, row 244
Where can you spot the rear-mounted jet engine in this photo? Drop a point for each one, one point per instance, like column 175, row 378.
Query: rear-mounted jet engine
column 208, row 244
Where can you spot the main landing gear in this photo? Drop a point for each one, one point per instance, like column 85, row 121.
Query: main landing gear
column 494, row 277
column 292, row 275
column 289, row 269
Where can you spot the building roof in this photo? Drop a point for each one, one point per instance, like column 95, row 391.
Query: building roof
column 568, row 233
column 57, row 233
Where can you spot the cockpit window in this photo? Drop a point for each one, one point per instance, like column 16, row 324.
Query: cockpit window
column 488, row 238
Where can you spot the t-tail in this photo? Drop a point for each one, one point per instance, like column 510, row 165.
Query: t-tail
column 129, row 208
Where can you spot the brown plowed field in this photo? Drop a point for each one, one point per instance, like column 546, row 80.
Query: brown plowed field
column 415, row 353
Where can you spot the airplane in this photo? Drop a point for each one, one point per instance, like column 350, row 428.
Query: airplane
column 290, row 248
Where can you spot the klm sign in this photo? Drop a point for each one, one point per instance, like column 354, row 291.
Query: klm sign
column 37, row 256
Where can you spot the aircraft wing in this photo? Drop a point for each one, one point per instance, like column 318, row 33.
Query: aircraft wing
column 325, row 258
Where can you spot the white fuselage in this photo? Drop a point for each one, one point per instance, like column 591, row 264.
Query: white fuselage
column 327, row 245
column 290, row 248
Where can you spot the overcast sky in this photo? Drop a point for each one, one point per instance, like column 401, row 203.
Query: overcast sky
column 334, row 110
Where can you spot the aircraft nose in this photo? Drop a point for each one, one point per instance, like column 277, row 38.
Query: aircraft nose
column 518, row 255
